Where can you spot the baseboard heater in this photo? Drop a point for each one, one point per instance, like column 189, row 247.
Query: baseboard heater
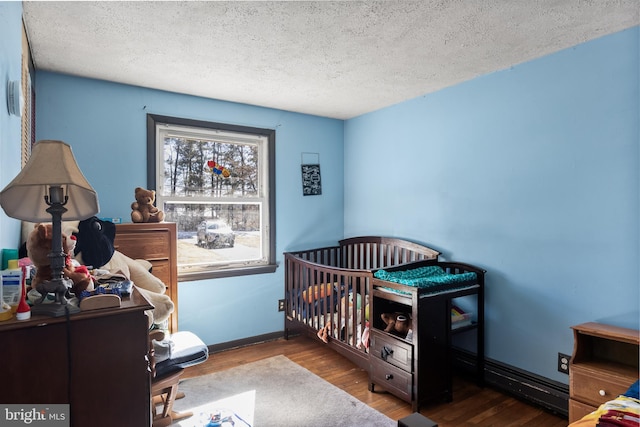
column 538, row 390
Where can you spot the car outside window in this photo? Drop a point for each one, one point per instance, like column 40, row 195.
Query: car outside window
column 213, row 234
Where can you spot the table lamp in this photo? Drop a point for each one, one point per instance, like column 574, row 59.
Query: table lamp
column 49, row 187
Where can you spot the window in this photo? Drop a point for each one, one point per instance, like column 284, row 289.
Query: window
column 217, row 183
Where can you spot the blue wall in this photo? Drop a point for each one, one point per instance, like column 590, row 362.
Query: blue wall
column 531, row 173
column 10, row 69
column 105, row 123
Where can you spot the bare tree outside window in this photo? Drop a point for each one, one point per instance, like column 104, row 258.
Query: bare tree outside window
column 216, row 182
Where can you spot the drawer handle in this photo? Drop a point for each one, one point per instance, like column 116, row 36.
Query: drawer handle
column 385, row 352
column 602, row 393
column 388, row 376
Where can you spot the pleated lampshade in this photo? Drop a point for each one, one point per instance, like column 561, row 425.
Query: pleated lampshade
column 51, row 164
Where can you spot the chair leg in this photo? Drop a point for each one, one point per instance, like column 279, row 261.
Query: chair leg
column 167, row 386
column 162, row 422
column 176, row 416
column 167, row 409
column 160, row 399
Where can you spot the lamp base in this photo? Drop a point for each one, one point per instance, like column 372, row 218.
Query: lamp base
column 54, row 309
column 60, row 307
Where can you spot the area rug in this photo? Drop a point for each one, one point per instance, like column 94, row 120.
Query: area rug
column 273, row 392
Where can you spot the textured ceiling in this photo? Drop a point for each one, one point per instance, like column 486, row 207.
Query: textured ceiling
column 334, row 59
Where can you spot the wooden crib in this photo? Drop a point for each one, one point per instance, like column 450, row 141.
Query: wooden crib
column 327, row 289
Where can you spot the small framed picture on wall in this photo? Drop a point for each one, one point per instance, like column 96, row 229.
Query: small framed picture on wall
column 311, row 183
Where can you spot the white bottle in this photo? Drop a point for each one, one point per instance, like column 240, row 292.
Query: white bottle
column 11, row 285
column 5, row 309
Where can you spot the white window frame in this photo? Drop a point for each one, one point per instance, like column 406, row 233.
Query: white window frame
column 158, row 126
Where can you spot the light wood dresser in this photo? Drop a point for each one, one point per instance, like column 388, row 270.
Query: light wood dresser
column 604, row 364
column 157, row 243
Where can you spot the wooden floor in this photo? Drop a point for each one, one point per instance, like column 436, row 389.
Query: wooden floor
column 471, row 406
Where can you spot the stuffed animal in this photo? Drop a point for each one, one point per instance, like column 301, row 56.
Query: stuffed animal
column 142, row 210
column 146, row 283
column 95, row 239
column 346, row 305
column 397, row 323
column 325, row 332
column 38, row 250
column 364, row 339
column 347, row 301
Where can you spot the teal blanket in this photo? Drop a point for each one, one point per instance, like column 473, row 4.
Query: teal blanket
column 424, row 277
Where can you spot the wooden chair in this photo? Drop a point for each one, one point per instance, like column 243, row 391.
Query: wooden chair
column 188, row 350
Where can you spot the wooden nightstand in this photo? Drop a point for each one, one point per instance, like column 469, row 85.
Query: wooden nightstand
column 604, row 364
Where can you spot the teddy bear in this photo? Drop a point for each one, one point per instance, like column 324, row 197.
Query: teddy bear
column 38, row 249
column 142, row 210
column 397, row 323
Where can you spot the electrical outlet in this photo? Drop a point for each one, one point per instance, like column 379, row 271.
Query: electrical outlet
column 280, row 305
column 563, row 363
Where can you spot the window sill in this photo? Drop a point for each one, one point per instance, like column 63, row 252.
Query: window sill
column 231, row 272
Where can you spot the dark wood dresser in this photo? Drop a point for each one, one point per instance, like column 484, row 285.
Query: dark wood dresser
column 156, row 243
column 96, row 361
column 420, row 369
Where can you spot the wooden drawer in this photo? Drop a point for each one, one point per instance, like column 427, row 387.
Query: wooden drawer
column 162, row 270
column 156, row 243
column 594, row 387
column 393, row 379
column 147, row 246
column 578, row 410
column 392, row 350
